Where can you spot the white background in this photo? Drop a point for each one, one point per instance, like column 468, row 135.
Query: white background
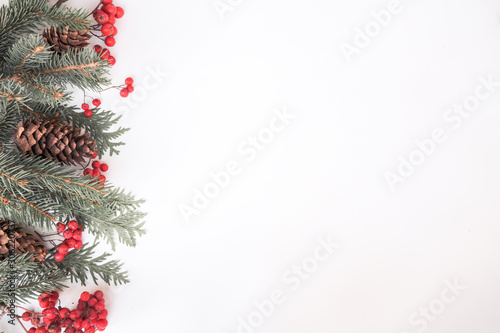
column 323, row 175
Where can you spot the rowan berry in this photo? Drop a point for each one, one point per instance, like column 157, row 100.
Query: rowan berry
column 71, row 243
column 68, row 233
column 73, row 225
column 119, row 12
column 124, row 92
column 77, row 234
column 104, row 167
column 85, row 106
column 107, row 29
column 130, row 88
column 85, row 296
column 63, row 249
column 106, row 2
column 26, row 316
column 78, row 244
column 74, row 314
column 109, row 9
column 101, row 17
column 58, row 256
column 96, row 102
column 129, row 81
column 111, row 19
column 88, row 113
column 60, row 227
column 110, row 41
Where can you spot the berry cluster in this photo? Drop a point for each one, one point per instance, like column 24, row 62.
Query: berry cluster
column 105, row 15
column 89, row 316
column 72, row 233
column 105, row 54
column 97, row 168
column 87, row 112
column 127, row 88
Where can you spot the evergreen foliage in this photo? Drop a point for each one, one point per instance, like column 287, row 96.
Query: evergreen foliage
column 35, row 192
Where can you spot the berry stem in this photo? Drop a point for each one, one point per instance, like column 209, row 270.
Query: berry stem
column 20, row 323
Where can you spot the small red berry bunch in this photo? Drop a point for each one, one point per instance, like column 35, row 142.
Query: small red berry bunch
column 105, row 15
column 72, row 233
column 89, row 316
column 87, row 112
column 105, row 54
column 127, row 88
column 97, row 168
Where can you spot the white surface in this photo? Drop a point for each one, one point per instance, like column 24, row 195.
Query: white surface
column 323, row 175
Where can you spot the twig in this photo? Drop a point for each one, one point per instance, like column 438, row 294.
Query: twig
column 59, row 3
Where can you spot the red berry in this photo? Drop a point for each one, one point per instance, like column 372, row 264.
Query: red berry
column 41, row 330
column 96, row 173
column 94, row 155
column 63, row 249
column 119, row 12
column 107, row 29
column 43, row 302
column 92, row 301
column 96, row 164
column 101, row 17
column 103, row 314
column 110, row 41
column 105, row 54
column 73, row 225
column 74, row 314
column 98, row 48
column 130, row 88
column 102, row 324
column 58, row 257
column 106, row 2
column 111, row 19
column 100, row 306
column 85, row 106
column 115, row 31
column 109, row 9
column 54, row 296
column 64, row 312
column 26, row 316
column 96, row 102
column 124, row 92
column 60, row 227
column 78, row 244
column 77, row 323
column 68, row 234
column 71, row 243
column 101, row 178
column 88, row 113
column 32, row 330
column 91, row 329
column 111, row 60
column 104, row 167
column 87, row 172
column 85, row 296
column 129, row 81
column 77, row 234
column 99, row 294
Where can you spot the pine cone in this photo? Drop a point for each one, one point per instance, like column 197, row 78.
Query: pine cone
column 55, row 140
column 64, row 39
column 24, row 242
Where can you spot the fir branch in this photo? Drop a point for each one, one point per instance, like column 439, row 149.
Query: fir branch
column 22, row 17
column 28, row 279
column 78, row 265
column 27, row 53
